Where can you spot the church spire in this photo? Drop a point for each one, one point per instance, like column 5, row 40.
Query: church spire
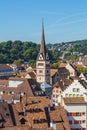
column 42, row 52
column 43, row 46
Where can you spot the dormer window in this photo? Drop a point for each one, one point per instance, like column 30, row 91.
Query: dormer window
column 36, row 121
column 7, row 115
column 22, row 121
column 43, row 121
column 2, row 92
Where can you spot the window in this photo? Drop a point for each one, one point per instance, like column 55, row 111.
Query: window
column 78, row 89
column 70, row 114
column 70, row 95
column 66, row 95
column 83, row 121
column 70, row 121
column 54, row 101
column 81, row 95
column 76, row 121
column 78, row 113
column 75, row 114
column 53, row 95
column 74, row 89
column 56, row 91
column 56, row 96
column 22, row 121
column 2, row 92
column 40, row 64
column 7, row 114
column 74, row 95
column 36, row 121
column 40, row 71
column 47, row 65
column 83, row 113
column 47, row 71
column 43, row 121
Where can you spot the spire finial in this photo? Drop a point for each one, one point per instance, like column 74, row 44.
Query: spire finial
column 42, row 22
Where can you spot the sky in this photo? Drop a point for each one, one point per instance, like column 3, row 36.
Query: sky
column 64, row 20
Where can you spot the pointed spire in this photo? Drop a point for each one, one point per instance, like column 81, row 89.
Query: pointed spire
column 43, row 54
column 43, row 47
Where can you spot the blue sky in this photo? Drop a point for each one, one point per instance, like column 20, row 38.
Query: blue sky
column 64, row 20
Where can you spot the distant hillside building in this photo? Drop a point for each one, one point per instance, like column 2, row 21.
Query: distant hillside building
column 85, row 60
column 43, row 63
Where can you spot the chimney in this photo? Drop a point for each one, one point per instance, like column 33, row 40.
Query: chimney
column 51, row 101
column 24, row 109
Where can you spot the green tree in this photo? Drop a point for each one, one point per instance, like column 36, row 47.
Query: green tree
column 19, row 62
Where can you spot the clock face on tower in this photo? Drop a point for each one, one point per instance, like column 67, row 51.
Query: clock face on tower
column 40, row 57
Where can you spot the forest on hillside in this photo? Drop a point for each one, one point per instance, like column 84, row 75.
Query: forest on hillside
column 18, row 51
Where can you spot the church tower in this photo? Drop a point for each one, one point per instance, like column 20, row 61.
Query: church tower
column 43, row 63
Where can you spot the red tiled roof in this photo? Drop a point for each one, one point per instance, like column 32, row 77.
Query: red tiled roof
column 4, row 67
column 23, row 87
column 35, row 110
column 53, row 71
column 62, row 64
column 23, row 128
column 5, row 115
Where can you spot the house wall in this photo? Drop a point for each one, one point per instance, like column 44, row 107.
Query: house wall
column 71, row 70
column 77, row 108
column 74, row 90
column 55, row 93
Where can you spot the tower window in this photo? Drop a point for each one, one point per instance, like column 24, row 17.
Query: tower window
column 47, row 65
column 40, row 64
column 40, row 71
column 47, row 71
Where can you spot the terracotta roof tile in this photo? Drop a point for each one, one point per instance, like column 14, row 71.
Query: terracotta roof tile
column 53, row 71
column 5, row 67
column 24, row 128
column 63, row 70
column 62, row 64
column 3, row 82
column 5, row 115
